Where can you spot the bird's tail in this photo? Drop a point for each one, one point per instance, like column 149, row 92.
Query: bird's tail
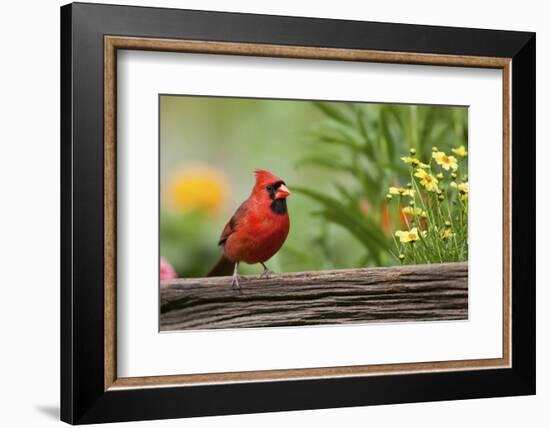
column 223, row 267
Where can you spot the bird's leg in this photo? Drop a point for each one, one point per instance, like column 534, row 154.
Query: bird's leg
column 235, row 277
column 266, row 273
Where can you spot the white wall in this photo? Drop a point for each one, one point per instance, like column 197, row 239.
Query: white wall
column 29, row 194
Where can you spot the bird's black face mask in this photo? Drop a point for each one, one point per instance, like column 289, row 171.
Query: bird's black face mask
column 278, row 205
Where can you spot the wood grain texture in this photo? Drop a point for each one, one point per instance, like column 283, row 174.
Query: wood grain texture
column 113, row 43
column 407, row 293
column 303, row 52
column 109, row 210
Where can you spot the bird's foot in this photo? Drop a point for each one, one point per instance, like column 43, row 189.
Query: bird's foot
column 235, row 283
column 266, row 274
column 235, row 279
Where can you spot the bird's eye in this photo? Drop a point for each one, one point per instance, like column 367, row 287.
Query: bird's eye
column 269, row 188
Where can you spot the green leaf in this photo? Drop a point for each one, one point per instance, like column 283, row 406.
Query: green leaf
column 325, row 162
column 340, row 141
column 356, row 230
column 368, row 146
column 333, row 112
column 363, row 228
column 348, row 196
column 428, row 117
column 389, row 147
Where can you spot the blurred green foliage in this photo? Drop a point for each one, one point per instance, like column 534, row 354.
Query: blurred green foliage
column 338, row 159
column 370, row 140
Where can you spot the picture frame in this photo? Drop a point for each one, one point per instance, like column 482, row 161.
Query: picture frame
column 91, row 390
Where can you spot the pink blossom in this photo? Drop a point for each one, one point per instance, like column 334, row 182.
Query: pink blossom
column 166, row 270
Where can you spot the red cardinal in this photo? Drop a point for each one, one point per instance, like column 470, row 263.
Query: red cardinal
column 258, row 228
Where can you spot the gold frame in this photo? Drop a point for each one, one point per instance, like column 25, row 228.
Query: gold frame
column 113, row 43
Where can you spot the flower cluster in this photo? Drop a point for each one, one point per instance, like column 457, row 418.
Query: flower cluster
column 436, row 211
column 401, row 191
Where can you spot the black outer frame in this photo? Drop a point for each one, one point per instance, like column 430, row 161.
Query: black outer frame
column 83, row 399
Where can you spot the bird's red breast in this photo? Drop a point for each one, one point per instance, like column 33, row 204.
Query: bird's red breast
column 261, row 224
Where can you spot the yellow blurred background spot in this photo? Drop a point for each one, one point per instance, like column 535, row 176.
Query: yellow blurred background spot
column 197, row 188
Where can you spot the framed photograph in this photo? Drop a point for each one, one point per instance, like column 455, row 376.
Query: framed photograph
column 266, row 213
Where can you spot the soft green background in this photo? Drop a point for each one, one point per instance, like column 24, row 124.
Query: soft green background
column 348, row 152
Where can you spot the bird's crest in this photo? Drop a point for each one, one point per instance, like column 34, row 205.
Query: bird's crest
column 264, row 177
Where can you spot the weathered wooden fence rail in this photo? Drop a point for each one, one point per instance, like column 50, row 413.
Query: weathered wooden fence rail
column 406, row 293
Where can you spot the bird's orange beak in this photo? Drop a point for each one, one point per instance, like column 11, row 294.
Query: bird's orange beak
column 282, row 192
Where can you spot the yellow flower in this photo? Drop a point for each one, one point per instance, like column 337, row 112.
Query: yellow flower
column 461, row 151
column 439, row 176
column 197, row 187
column 408, row 235
column 412, row 211
column 410, row 160
column 446, row 234
column 393, row 190
column 445, row 161
column 414, row 162
column 427, row 180
column 462, row 189
column 401, row 191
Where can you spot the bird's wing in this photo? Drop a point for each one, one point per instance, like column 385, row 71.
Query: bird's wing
column 232, row 224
